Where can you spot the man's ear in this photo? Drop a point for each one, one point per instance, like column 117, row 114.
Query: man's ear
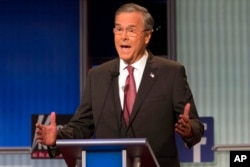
column 148, row 36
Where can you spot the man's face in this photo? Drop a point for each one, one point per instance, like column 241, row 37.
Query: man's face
column 129, row 36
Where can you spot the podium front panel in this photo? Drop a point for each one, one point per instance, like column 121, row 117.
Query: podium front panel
column 102, row 158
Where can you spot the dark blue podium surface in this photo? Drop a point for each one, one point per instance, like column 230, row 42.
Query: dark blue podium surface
column 107, row 152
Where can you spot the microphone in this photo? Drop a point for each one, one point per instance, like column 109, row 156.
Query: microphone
column 113, row 75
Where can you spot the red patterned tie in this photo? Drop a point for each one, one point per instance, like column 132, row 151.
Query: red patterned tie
column 129, row 94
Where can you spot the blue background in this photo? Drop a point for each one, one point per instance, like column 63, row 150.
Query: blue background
column 39, row 64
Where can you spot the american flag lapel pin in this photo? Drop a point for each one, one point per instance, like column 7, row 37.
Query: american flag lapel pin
column 152, row 75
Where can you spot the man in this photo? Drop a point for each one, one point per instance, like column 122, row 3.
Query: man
column 163, row 104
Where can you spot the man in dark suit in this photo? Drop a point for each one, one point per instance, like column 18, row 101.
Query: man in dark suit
column 163, row 105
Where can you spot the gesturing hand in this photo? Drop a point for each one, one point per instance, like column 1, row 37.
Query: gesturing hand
column 183, row 126
column 46, row 134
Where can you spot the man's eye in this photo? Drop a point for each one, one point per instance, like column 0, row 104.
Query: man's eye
column 119, row 29
column 131, row 30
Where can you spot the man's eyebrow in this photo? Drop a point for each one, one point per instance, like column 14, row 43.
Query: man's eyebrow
column 130, row 26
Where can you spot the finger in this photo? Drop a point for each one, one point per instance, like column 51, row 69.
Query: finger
column 187, row 110
column 39, row 137
column 40, row 141
column 38, row 125
column 179, row 129
column 179, row 126
column 53, row 119
column 38, row 131
column 183, row 131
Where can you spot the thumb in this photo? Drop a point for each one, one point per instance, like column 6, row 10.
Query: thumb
column 187, row 110
column 53, row 119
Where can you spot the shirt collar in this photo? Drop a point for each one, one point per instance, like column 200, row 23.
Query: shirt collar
column 140, row 64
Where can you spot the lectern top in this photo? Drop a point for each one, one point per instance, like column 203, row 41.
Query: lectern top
column 135, row 147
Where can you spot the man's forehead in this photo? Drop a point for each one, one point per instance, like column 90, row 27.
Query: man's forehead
column 133, row 19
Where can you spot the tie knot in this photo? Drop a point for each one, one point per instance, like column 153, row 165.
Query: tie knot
column 130, row 69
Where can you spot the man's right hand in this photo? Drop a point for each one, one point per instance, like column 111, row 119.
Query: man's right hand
column 46, row 134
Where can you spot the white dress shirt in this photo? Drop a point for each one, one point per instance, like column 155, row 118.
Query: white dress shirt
column 138, row 71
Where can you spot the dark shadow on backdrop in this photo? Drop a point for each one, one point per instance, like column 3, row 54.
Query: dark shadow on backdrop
column 101, row 22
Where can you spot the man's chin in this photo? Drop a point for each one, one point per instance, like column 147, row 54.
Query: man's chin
column 125, row 56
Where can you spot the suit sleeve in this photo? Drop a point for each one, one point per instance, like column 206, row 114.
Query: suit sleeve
column 81, row 124
column 181, row 96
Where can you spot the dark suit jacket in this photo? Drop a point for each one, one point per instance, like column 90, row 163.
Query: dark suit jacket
column 161, row 98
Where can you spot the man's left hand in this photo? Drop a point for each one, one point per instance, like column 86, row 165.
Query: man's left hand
column 183, row 126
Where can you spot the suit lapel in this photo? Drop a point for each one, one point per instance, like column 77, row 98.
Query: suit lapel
column 116, row 97
column 148, row 79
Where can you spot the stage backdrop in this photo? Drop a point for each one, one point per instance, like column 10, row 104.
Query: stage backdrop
column 39, row 64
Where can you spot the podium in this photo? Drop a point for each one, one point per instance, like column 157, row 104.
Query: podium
column 135, row 152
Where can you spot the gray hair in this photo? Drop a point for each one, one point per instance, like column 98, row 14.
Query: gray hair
column 132, row 7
